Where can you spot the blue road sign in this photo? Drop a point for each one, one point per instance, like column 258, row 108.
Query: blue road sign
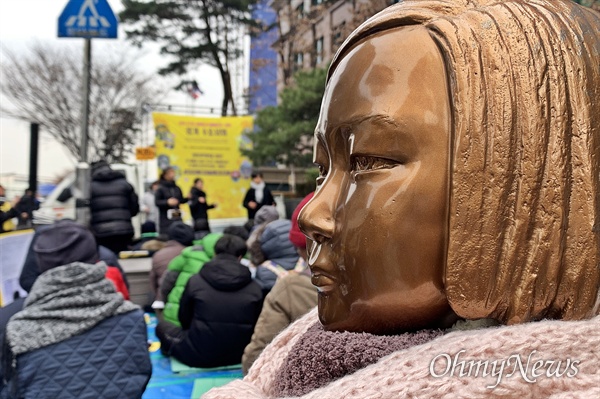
column 88, row 19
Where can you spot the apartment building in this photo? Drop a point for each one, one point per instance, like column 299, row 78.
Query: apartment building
column 262, row 90
column 311, row 31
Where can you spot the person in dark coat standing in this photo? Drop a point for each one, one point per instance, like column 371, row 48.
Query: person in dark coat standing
column 218, row 310
column 113, row 202
column 257, row 196
column 197, row 201
column 168, row 197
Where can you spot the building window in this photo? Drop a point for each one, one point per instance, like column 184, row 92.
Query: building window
column 298, row 61
column 319, row 51
column 300, row 11
column 337, row 36
column 317, row 2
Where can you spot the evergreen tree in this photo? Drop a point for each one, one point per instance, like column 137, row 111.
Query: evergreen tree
column 595, row 4
column 284, row 133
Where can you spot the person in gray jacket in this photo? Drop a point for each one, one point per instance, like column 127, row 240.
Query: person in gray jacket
column 277, row 254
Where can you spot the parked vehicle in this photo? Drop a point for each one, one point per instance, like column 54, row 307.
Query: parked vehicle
column 60, row 204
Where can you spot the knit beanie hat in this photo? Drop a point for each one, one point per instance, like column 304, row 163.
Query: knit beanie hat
column 201, row 225
column 266, row 214
column 148, row 227
column 239, row 231
column 296, row 236
column 182, row 233
column 98, row 164
column 63, row 243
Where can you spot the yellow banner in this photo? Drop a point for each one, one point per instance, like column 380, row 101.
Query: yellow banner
column 208, row 148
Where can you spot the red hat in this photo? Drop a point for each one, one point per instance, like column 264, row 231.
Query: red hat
column 296, row 236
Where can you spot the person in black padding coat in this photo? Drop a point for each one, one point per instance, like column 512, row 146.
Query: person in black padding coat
column 257, row 196
column 197, row 201
column 113, row 202
column 218, row 310
column 168, row 197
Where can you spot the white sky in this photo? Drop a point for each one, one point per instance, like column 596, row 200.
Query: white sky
column 25, row 21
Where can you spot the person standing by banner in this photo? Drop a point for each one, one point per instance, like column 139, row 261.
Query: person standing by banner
column 167, row 198
column 197, row 201
column 148, row 205
column 257, row 196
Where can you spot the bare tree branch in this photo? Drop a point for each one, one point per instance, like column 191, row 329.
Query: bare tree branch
column 44, row 86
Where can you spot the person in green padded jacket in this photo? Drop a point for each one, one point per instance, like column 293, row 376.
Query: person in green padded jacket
column 179, row 271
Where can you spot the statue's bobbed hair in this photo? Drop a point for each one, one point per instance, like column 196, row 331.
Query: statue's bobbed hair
column 524, row 199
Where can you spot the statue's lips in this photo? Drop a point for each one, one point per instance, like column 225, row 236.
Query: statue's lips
column 323, row 282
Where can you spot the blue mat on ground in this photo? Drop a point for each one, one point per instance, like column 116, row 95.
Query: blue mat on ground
column 167, row 384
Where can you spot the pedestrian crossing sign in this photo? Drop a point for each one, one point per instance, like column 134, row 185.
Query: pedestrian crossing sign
column 89, row 19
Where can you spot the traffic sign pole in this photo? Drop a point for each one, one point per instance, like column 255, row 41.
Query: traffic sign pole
column 83, row 173
column 82, row 193
column 85, row 95
column 86, row 19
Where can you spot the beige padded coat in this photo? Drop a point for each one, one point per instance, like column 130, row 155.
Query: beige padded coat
column 291, row 297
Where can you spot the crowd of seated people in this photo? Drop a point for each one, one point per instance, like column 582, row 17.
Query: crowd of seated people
column 208, row 293
column 477, row 234
column 229, row 294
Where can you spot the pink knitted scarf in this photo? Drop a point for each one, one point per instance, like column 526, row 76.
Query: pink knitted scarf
column 407, row 373
column 320, row 356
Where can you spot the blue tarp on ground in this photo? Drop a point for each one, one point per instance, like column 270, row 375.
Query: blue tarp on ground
column 166, row 384
column 13, row 250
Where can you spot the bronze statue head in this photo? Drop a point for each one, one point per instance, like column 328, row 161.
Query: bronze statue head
column 459, row 148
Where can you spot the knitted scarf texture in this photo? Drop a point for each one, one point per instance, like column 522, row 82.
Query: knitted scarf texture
column 320, row 356
column 433, row 369
column 64, row 302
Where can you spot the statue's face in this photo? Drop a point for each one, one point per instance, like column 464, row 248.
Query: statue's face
column 379, row 217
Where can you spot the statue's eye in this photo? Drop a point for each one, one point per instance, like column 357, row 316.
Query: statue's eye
column 360, row 163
